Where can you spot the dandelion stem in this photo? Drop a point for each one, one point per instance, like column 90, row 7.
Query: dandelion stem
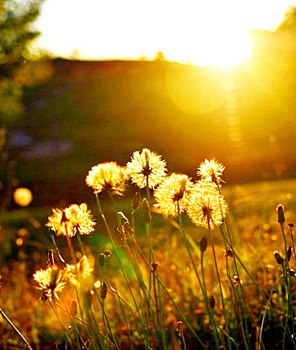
column 119, row 259
column 202, row 287
column 219, row 281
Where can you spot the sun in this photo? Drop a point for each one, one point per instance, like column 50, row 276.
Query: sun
column 211, row 36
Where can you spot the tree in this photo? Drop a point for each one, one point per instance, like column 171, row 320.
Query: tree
column 16, row 18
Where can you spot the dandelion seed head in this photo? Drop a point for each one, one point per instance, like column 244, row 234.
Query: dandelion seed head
column 50, row 281
column 207, row 206
column 144, row 165
column 80, row 219
column 82, row 271
column 72, row 220
column 211, row 170
column 107, row 176
column 172, row 195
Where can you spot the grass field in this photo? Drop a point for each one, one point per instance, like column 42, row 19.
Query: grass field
column 256, row 235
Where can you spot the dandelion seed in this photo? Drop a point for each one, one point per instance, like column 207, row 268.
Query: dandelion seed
column 50, row 281
column 107, row 176
column 211, row 170
column 172, row 194
column 207, row 207
column 72, row 220
column 144, row 166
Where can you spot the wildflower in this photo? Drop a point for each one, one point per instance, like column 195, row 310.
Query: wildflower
column 50, row 281
column 172, row 194
column 211, row 170
column 81, row 271
column 72, row 220
column 107, row 176
column 146, row 166
column 207, row 207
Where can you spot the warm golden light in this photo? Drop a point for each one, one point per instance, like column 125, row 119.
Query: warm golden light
column 22, row 196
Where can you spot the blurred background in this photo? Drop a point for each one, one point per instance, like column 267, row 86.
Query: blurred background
column 87, row 82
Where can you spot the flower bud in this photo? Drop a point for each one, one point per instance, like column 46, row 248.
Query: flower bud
column 103, row 290
column 203, row 244
column 289, row 253
column 102, row 259
column 279, row 259
column 281, row 215
column 136, row 201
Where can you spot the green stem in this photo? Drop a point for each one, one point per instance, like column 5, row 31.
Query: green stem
column 219, row 282
column 119, row 259
column 15, row 329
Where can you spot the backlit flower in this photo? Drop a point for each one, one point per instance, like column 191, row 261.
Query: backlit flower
column 82, row 271
column 211, row 170
column 107, row 176
column 207, row 207
column 146, row 166
column 50, row 281
column 172, row 194
column 72, row 220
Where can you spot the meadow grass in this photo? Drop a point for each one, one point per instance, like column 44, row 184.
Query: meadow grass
column 146, row 277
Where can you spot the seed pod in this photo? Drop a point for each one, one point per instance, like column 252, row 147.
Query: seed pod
column 279, row 259
column 103, row 290
column 292, row 272
column 281, row 214
column 289, row 253
column 212, row 302
column 203, row 244
column 136, row 201
column 146, row 209
column 291, row 225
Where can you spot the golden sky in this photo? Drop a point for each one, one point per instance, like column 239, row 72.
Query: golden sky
column 198, row 31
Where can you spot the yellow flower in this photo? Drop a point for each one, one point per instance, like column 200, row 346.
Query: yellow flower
column 82, row 271
column 51, row 280
column 211, row 170
column 172, row 194
column 146, row 165
column 72, row 220
column 107, row 176
column 206, row 208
